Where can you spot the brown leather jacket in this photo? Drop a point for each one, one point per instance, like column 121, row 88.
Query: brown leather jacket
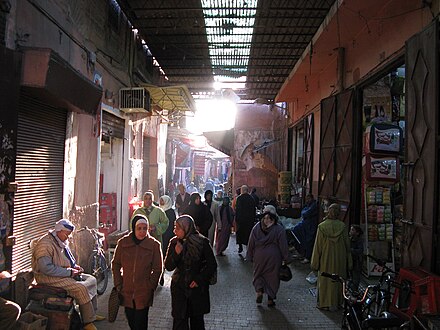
column 142, row 267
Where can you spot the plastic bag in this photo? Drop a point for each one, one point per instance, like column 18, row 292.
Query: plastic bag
column 312, row 278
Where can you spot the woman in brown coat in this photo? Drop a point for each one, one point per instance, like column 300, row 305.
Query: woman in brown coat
column 140, row 257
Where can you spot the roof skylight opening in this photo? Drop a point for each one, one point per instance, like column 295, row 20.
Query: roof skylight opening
column 229, row 28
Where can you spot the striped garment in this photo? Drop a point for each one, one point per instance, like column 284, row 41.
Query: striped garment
column 81, row 291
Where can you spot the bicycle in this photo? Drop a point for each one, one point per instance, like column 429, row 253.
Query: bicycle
column 382, row 291
column 357, row 312
column 97, row 262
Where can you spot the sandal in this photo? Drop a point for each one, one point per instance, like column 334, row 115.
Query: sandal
column 270, row 303
column 259, row 297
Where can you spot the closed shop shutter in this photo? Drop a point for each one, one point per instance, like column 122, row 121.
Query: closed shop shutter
column 38, row 202
column 112, row 125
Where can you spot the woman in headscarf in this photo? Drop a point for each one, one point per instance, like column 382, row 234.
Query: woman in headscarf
column 224, row 225
column 267, row 249
column 190, row 256
column 213, row 208
column 200, row 213
column 140, row 257
column 331, row 254
column 166, row 204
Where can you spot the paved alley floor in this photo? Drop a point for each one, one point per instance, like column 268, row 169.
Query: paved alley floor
column 233, row 301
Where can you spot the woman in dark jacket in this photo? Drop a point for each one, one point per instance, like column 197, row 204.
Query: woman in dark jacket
column 140, row 257
column 200, row 213
column 190, row 256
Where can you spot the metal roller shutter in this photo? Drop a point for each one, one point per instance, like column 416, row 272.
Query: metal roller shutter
column 112, row 125
column 38, row 202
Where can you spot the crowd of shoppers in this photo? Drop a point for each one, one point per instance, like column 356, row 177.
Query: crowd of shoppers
column 184, row 246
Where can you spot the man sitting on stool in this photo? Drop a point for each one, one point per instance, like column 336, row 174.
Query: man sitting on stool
column 305, row 231
column 54, row 265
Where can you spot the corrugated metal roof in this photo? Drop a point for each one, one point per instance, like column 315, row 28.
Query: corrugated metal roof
column 198, row 42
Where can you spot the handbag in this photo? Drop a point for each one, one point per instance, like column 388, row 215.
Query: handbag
column 113, row 305
column 285, row 273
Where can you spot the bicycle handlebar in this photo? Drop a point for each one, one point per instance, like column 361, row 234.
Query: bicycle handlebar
column 351, row 299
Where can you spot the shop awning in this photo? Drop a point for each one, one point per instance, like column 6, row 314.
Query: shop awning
column 48, row 75
column 176, row 99
column 221, row 140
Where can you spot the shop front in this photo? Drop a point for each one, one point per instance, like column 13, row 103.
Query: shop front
column 374, row 98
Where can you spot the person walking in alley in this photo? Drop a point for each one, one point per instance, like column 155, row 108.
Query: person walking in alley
column 255, row 197
column 182, row 199
column 136, row 267
column 224, row 224
column 305, row 230
column 191, row 258
column 53, row 264
column 267, row 250
column 166, row 205
column 158, row 221
column 200, row 213
column 331, row 254
column 213, row 208
column 244, row 217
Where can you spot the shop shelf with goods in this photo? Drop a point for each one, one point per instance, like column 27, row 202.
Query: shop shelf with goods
column 284, row 188
column 378, row 227
column 381, row 167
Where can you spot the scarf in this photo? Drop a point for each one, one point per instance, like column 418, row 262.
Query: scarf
column 133, row 228
column 66, row 250
column 192, row 241
column 167, row 203
column 225, row 206
column 208, row 201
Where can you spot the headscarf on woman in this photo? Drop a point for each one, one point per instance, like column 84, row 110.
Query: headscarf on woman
column 225, row 205
column 167, row 203
column 334, row 211
column 208, row 201
column 192, row 241
column 200, row 214
column 139, row 218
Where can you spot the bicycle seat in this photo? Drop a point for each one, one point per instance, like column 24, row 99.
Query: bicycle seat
column 381, row 322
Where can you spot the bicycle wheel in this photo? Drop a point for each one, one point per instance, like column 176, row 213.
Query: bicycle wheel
column 99, row 269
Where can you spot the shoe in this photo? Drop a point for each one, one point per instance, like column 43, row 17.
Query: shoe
column 90, row 326
column 270, row 303
column 99, row 318
column 240, row 249
column 259, row 298
column 221, row 254
column 161, row 281
column 305, row 261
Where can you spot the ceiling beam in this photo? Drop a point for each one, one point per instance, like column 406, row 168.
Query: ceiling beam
column 203, row 34
column 294, row 44
column 187, row 9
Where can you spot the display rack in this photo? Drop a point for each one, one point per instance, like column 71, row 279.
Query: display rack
column 378, row 227
column 382, row 145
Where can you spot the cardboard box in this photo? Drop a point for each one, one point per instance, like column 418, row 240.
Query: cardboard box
column 31, row 321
